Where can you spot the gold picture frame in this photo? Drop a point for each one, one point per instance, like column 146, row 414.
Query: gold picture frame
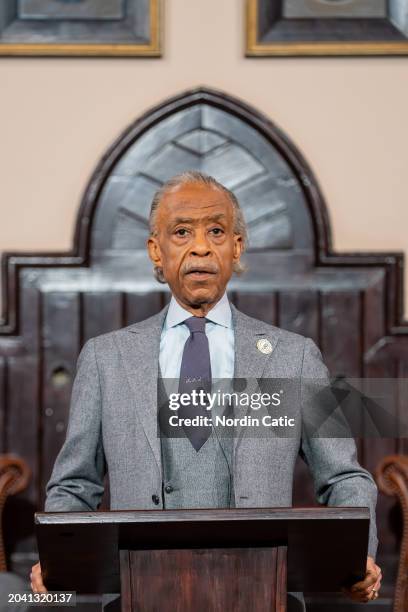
column 150, row 47
column 276, row 40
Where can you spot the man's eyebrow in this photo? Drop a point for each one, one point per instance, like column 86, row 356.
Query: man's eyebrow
column 178, row 220
column 218, row 217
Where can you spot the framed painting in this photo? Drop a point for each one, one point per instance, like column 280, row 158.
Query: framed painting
column 327, row 27
column 80, row 27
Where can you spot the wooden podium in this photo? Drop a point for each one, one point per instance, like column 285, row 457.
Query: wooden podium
column 203, row 560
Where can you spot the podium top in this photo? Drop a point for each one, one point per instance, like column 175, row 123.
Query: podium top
column 327, row 547
column 118, row 517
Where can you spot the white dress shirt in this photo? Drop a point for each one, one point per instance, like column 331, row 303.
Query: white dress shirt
column 220, row 333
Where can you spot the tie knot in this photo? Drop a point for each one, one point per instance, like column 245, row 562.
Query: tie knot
column 196, row 324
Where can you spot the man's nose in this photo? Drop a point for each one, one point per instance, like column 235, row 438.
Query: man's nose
column 201, row 245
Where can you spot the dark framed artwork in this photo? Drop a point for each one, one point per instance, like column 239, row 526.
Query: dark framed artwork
column 80, row 27
column 327, row 27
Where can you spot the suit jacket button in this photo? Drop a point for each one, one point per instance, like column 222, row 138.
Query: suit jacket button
column 156, row 499
column 168, row 489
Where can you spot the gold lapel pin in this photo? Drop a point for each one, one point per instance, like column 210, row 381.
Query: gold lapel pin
column 264, row 346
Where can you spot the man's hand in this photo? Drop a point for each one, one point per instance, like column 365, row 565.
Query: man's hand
column 37, row 584
column 367, row 589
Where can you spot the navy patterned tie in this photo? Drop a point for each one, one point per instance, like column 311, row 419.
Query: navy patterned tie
column 195, row 374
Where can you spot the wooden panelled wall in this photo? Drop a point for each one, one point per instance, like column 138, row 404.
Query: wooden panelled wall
column 53, row 302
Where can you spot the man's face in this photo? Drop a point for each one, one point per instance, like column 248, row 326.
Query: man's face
column 195, row 244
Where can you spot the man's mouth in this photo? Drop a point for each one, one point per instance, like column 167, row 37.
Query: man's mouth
column 200, row 273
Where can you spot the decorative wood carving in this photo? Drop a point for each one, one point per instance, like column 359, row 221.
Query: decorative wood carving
column 392, row 479
column 14, row 478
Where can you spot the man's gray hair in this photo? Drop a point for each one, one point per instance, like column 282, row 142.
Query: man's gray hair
column 193, row 176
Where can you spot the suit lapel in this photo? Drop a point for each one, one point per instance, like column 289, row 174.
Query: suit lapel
column 139, row 347
column 250, row 362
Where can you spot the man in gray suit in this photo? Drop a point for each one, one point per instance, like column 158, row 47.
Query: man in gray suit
column 197, row 236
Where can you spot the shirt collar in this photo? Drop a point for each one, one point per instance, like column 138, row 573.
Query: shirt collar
column 219, row 314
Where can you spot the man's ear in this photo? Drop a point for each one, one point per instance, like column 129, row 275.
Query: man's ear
column 154, row 251
column 237, row 247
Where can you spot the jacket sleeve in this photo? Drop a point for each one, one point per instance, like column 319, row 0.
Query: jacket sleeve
column 338, row 478
column 76, row 481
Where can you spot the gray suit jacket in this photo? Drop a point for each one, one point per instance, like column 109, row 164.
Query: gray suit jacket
column 113, row 425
